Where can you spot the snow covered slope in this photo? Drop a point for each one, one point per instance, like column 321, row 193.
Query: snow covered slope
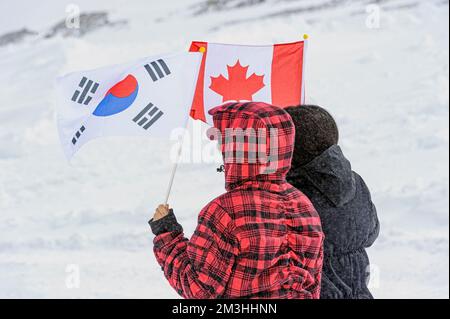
column 388, row 88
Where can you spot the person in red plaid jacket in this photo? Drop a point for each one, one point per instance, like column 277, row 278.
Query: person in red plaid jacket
column 262, row 238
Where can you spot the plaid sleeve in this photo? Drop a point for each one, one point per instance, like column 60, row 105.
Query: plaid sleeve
column 199, row 268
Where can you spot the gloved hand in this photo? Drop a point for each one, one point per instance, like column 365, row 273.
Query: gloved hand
column 164, row 221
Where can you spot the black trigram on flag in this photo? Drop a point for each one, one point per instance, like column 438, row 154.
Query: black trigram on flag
column 157, row 69
column 148, row 116
column 86, row 87
column 78, row 134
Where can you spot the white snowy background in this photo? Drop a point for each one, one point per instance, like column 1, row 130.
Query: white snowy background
column 388, row 88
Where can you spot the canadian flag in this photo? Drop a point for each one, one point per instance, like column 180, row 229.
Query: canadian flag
column 270, row 73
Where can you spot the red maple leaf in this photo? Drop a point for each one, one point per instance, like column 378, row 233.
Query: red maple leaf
column 237, row 87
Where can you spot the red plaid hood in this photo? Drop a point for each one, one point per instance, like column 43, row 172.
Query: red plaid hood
column 265, row 152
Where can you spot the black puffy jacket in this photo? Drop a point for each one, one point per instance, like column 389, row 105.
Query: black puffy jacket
column 349, row 221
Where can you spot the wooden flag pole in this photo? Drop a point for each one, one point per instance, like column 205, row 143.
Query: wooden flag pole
column 175, row 165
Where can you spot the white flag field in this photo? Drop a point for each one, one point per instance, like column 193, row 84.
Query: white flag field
column 151, row 96
column 264, row 73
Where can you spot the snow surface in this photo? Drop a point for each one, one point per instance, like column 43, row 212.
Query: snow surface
column 387, row 87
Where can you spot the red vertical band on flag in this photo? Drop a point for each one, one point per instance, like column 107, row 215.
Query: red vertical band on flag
column 198, row 105
column 287, row 74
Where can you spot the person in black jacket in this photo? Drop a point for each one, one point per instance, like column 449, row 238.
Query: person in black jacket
column 342, row 199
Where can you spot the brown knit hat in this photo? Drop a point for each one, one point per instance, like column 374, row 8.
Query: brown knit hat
column 316, row 131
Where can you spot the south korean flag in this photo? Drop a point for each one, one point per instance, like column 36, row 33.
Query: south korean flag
column 151, row 96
